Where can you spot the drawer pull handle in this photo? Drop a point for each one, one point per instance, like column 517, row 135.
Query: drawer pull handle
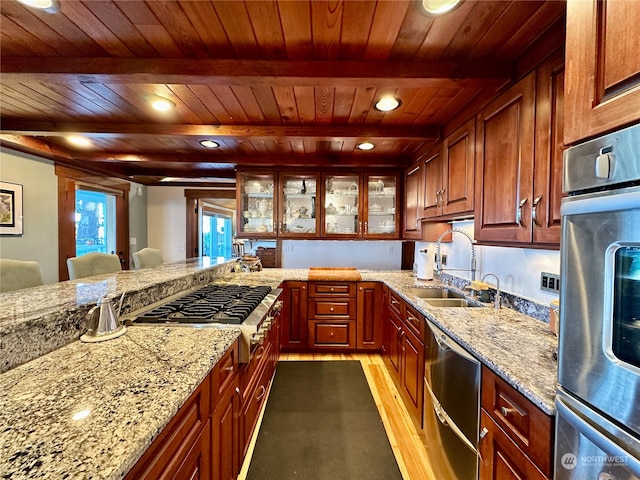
column 507, row 411
column 228, row 369
column 262, row 392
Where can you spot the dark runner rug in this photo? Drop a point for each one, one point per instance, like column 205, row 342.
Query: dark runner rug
column 321, row 423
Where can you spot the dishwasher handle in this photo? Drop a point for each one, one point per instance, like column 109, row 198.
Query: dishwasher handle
column 445, row 343
column 446, row 420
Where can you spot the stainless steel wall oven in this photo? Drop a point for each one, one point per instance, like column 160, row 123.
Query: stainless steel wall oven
column 598, row 401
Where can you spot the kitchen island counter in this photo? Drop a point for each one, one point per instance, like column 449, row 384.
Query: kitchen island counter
column 91, row 410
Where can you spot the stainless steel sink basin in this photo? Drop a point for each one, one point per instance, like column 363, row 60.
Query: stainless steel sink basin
column 436, row 293
column 449, row 302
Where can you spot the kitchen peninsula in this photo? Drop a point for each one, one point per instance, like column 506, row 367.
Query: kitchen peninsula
column 138, row 381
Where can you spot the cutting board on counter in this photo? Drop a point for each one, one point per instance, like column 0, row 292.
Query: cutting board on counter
column 334, row 273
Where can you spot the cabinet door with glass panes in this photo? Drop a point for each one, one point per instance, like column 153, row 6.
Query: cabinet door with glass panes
column 380, row 217
column 341, row 214
column 257, row 205
column 299, row 208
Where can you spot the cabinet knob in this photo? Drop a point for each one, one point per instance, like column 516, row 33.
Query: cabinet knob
column 331, row 309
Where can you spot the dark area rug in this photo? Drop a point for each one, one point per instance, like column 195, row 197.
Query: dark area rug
column 321, row 423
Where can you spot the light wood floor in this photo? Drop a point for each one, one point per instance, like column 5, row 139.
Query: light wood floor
column 406, row 441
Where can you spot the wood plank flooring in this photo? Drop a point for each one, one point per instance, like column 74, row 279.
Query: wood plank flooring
column 406, row 440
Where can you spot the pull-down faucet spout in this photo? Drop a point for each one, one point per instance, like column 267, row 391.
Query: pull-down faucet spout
column 472, row 268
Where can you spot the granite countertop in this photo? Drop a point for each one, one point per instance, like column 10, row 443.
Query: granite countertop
column 133, row 385
column 516, row 346
column 123, row 392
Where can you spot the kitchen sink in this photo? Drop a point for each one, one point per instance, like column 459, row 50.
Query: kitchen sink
column 435, row 293
column 449, row 302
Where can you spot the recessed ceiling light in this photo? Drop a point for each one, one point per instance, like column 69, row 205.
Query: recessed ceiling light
column 440, row 7
column 79, row 141
column 159, row 103
column 209, row 144
column 366, row 146
column 49, row 6
column 387, row 104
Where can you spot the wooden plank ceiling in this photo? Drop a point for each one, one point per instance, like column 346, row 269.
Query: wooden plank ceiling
column 282, row 82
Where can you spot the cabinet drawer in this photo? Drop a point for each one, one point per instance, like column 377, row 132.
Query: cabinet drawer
column 223, row 373
column 332, row 334
column 501, row 457
column 332, row 289
column 251, row 410
column 523, row 422
column 414, row 321
column 250, row 370
column 332, row 309
column 396, row 304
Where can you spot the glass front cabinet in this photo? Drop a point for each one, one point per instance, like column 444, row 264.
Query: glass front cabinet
column 256, row 205
column 360, row 206
column 307, row 205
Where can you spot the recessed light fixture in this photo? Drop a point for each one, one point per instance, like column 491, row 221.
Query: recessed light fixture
column 49, row 6
column 387, row 104
column 79, row 141
column 440, row 7
column 366, row 146
column 161, row 104
column 209, row 144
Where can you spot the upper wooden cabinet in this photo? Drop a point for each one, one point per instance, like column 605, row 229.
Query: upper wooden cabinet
column 602, row 84
column 360, row 206
column 519, row 161
column 311, row 205
column 271, row 205
column 412, row 202
column 448, row 176
column 504, row 165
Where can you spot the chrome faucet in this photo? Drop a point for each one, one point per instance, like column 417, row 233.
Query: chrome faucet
column 472, row 268
column 497, row 302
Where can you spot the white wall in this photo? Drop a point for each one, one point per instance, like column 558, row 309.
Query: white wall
column 517, row 268
column 373, row 255
column 39, row 182
column 166, row 221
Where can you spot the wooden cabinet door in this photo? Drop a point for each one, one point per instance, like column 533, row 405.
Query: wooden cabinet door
column 369, row 316
column 456, row 195
column 225, row 444
column 602, row 86
column 197, row 464
column 501, row 458
column 547, row 183
column 504, row 166
column 294, row 315
column 432, row 185
column 412, row 372
column 395, row 344
column 412, row 193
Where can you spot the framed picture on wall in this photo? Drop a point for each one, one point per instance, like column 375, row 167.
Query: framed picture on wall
column 10, row 208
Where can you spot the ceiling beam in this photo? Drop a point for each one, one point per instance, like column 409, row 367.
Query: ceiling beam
column 438, row 74
column 134, row 130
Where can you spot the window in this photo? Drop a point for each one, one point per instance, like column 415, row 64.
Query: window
column 95, row 222
column 217, row 235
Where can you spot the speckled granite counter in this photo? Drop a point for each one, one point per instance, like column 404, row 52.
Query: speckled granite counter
column 128, row 388
column 38, row 320
column 517, row 347
column 134, row 384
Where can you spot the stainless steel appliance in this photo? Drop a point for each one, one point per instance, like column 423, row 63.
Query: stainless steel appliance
column 598, row 402
column 451, row 407
column 252, row 308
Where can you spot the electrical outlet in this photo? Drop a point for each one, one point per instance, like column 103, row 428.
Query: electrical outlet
column 444, row 259
column 550, row 282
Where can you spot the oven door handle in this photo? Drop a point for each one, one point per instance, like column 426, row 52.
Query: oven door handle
column 601, row 203
column 597, row 438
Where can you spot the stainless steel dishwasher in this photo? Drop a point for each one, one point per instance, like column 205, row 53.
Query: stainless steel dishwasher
column 451, row 407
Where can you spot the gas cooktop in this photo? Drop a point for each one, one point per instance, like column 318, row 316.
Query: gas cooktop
column 230, row 304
